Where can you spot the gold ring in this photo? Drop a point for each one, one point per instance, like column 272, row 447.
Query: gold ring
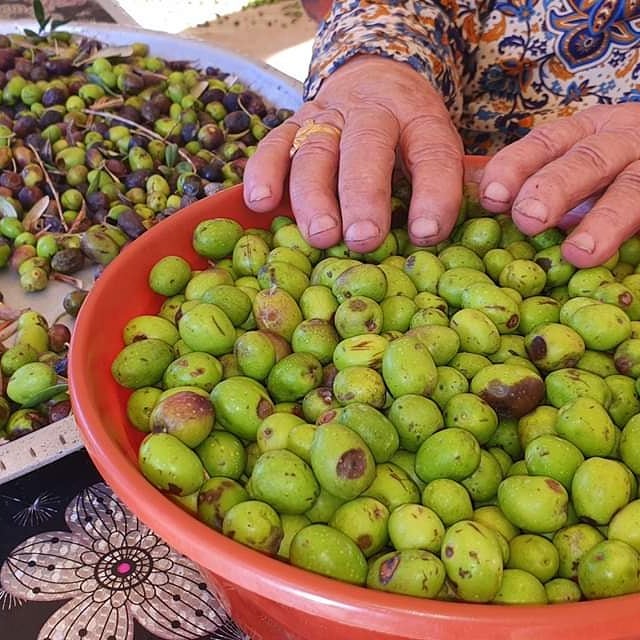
column 308, row 128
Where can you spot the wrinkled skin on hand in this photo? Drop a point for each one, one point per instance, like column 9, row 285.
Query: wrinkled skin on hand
column 580, row 172
column 593, row 156
column 384, row 109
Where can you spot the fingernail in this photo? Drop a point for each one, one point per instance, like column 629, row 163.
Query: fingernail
column 361, row 231
column 532, row 208
column 261, row 192
column 321, row 224
column 424, row 228
column 497, row 192
column 583, row 241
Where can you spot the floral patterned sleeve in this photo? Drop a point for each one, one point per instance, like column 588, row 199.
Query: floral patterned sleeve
column 419, row 33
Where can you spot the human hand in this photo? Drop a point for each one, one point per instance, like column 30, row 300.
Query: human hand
column 593, row 156
column 341, row 185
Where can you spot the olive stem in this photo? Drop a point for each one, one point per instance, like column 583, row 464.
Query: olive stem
column 139, row 127
column 10, row 330
column 61, row 277
column 48, row 180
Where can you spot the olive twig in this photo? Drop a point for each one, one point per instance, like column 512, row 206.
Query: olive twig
column 10, row 330
column 48, row 180
column 138, row 127
column 80, row 218
column 61, row 277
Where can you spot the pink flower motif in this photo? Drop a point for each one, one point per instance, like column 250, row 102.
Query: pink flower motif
column 113, row 570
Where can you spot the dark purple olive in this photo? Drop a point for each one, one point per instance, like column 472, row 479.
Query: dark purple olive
column 4, row 42
column 230, row 101
column 11, row 180
column 93, row 158
column 212, row 95
column 130, row 113
column 248, row 139
column 74, row 86
column 3, row 79
column 49, row 117
column 38, row 73
column 60, row 367
column 23, row 67
column 98, row 216
column 189, row 132
column 100, row 127
column 130, row 83
column 212, row 171
column 131, row 223
column 52, row 223
column 191, row 186
column 252, row 103
column 236, row 121
column 137, row 141
column 271, row 120
column 162, row 102
column 59, row 334
column 59, row 66
column 67, row 261
column 136, row 179
column 7, row 57
column 28, row 196
column 210, row 136
column 97, row 200
column 53, row 96
column 59, row 410
column 117, row 167
column 150, row 111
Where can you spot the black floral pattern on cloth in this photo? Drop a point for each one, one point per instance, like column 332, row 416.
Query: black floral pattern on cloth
column 105, row 575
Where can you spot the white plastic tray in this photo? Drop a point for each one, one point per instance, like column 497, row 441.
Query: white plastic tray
column 61, row 438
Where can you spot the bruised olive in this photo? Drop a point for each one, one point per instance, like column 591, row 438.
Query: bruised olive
column 67, row 261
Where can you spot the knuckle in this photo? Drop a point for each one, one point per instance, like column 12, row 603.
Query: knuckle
column 314, row 149
column 591, row 156
column 545, row 137
column 629, row 181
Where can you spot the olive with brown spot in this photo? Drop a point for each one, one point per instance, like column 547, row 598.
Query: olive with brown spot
column 341, row 461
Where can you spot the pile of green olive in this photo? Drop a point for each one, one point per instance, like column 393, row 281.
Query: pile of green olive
column 34, row 376
column 94, row 136
column 460, row 422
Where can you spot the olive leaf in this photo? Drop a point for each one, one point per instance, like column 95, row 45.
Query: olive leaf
column 7, row 209
column 31, row 33
column 56, row 24
column 171, row 154
column 198, row 89
column 125, row 51
column 38, row 12
column 35, row 213
column 44, row 395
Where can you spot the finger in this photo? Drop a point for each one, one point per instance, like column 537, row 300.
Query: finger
column 588, row 167
column 507, row 171
column 313, row 181
column 367, row 158
column 267, row 169
column 433, row 154
column 614, row 218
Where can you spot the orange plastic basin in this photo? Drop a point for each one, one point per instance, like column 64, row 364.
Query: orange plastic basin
column 270, row 599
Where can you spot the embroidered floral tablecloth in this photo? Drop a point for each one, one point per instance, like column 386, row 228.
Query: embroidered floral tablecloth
column 76, row 564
